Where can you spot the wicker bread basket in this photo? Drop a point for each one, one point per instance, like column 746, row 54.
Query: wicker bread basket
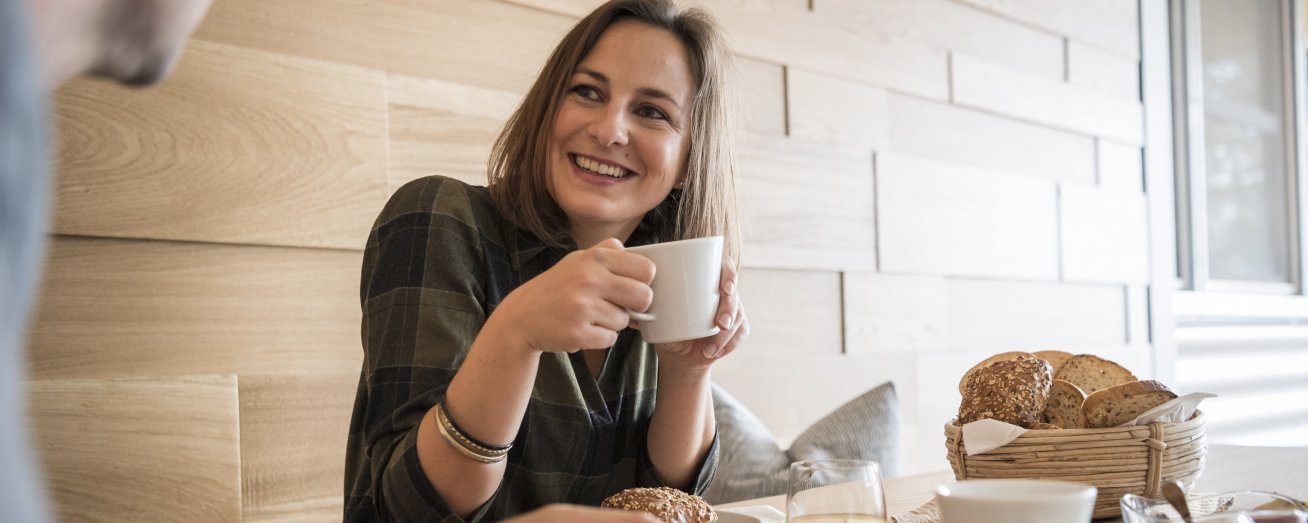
column 1116, row 460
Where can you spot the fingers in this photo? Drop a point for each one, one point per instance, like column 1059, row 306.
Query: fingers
column 727, row 339
column 613, row 256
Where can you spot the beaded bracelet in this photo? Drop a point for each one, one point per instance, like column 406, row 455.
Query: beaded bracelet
column 465, row 444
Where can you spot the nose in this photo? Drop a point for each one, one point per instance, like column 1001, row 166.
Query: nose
column 609, row 128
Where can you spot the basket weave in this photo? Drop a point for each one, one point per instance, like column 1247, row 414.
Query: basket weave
column 1116, row 460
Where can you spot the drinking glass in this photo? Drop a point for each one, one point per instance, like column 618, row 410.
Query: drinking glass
column 835, row 491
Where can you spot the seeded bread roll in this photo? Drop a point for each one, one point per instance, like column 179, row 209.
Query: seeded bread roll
column 1012, row 391
column 668, row 504
column 1117, row 405
column 1003, row 356
column 1054, row 357
column 1092, row 373
column 1064, row 405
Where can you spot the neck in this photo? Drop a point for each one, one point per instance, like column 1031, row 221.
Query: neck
column 588, row 236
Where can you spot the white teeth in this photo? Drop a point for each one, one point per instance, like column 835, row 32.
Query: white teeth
column 599, row 168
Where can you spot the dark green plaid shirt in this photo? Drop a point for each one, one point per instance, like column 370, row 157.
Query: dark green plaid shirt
column 438, row 261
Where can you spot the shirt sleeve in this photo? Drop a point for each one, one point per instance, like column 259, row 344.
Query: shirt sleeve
column 421, row 292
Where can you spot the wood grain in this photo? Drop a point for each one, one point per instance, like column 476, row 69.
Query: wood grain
column 484, row 43
column 293, row 438
column 1010, row 92
column 443, row 128
column 829, row 110
column 1110, row 24
column 154, row 449
column 948, row 132
column 762, row 96
column 119, row 308
column 238, row 146
column 938, row 218
column 806, row 206
column 890, row 313
column 1004, row 315
column 1105, row 235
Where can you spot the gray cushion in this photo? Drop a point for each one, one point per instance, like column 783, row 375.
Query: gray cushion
column 751, row 465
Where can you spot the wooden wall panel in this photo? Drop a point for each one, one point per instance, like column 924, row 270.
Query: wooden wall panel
column 115, row 308
column 829, row 110
column 443, row 128
column 484, row 43
column 1107, row 73
column 762, row 97
column 934, row 130
column 293, row 435
column 238, row 146
column 1110, row 24
column 1016, row 94
column 806, row 206
column 1121, row 167
column 946, row 24
column 890, row 313
column 937, row 218
column 155, row 449
column 1105, row 235
column 1000, row 315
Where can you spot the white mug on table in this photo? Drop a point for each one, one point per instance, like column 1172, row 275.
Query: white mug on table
column 686, row 278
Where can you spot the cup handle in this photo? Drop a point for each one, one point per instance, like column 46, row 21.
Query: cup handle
column 640, row 316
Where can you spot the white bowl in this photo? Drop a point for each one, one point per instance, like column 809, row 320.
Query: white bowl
column 1015, row 501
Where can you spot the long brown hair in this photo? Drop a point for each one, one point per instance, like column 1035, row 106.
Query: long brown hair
column 705, row 205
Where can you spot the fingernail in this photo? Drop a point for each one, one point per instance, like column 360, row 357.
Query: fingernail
column 710, row 350
column 724, row 321
column 730, row 288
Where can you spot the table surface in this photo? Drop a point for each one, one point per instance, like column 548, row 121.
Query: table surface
column 1278, row 469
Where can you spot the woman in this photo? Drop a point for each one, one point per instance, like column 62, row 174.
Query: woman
column 501, row 373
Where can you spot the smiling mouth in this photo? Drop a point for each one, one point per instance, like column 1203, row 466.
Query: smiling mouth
column 592, row 166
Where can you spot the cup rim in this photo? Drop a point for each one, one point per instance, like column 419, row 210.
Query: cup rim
column 687, row 241
column 1017, row 490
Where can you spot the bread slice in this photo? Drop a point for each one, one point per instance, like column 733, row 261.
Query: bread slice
column 1054, row 357
column 1003, row 356
column 1012, row 391
column 1092, row 373
column 1122, row 403
column 1064, row 405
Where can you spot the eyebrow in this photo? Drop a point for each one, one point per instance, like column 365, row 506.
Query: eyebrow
column 646, row 91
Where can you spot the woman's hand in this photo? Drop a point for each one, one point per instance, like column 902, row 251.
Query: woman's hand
column 733, row 328
column 581, row 302
column 561, row 513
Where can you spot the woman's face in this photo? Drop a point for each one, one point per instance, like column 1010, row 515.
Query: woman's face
column 619, row 143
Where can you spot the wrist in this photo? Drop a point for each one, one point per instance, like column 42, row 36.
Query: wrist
column 498, row 332
column 672, row 371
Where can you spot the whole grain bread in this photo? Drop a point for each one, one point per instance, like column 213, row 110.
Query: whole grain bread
column 1122, row 403
column 1003, row 356
column 1054, row 357
column 1092, row 373
column 1064, row 405
column 668, row 504
column 1013, row 391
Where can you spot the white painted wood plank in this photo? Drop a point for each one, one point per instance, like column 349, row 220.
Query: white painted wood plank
column 762, row 96
column 938, row 218
column 807, row 206
column 891, row 313
column 996, row 316
column 1110, row 24
column 1010, row 92
column 944, row 24
column 1120, row 166
column 1095, row 69
column 948, row 132
column 1105, row 235
column 1137, row 315
column 830, row 110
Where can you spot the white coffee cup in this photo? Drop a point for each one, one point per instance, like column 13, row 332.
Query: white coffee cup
column 686, row 279
column 1015, row 501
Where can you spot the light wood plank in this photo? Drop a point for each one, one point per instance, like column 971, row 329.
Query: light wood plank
column 937, row 218
column 1137, row 315
column 945, row 24
column 443, row 128
column 947, row 132
column 1121, row 167
column 153, row 449
column 293, row 435
column 485, row 43
column 891, row 313
column 1105, row 235
column 829, row 110
column 115, row 308
column 763, row 96
column 1110, row 24
column 238, row 146
column 996, row 315
column 806, row 206
column 1010, row 92
column 1104, row 72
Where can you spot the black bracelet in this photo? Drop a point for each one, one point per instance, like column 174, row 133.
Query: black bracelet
column 492, row 448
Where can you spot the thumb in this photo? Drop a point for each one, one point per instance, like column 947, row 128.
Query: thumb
column 611, row 243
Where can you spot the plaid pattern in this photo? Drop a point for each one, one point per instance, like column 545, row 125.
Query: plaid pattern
column 438, row 261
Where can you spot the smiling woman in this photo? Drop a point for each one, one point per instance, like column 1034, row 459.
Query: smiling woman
column 503, row 369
